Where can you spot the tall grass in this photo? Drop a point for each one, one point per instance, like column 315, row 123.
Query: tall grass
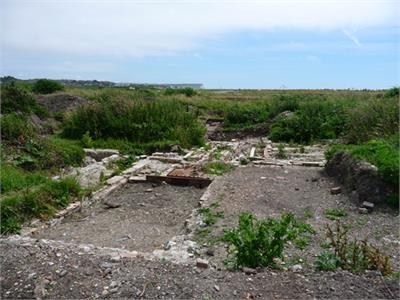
column 39, row 201
column 136, row 121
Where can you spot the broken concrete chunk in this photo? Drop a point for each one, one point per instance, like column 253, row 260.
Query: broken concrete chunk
column 137, row 179
column 201, row 263
column 249, row 271
column 368, row 205
column 252, row 152
column 114, row 180
column 99, row 154
column 336, row 190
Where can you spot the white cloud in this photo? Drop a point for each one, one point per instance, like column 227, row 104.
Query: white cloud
column 352, row 37
column 140, row 28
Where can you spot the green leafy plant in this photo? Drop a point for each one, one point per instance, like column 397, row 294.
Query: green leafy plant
column 209, row 215
column 87, row 140
column 327, row 262
column 334, row 213
column 256, row 243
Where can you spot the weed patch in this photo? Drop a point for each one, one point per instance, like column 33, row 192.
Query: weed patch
column 334, row 213
column 256, row 243
column 353, row 255
column 39, row 201
column 217, row 168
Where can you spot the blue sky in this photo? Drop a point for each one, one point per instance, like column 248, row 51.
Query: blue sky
column 222, row 44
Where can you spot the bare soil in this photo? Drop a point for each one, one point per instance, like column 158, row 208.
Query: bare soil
column 144, row 217
column 269, row 191
column 139, row 217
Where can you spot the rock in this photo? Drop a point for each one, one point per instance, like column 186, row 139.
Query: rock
column 296, row 268
column 336, row 190
column 148, row 190
column 89, row 176
column 116, row 258
column 114, row 180
column 108, row 160
column 362, row 210
column 210, row 251
column 202, row 263
column 63, row 273
column 249, row 271
column 368, row 205
column 99, row 154
column 110, row 205
column 106, row 265
column 216, row 287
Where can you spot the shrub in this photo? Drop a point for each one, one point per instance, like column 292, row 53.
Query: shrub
column 188, row 92
column 46, row 86
column 58, row 152
column 242, row 115
column 136, row 121
column 256, row 243
column 15, row 128
column 312, row 121
column 374, row 119
column 393, row 92
column 16, row 99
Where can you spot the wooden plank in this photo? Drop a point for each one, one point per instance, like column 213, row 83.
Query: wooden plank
column 180, row 180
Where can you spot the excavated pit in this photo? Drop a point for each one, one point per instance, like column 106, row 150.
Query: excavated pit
column 139, row 217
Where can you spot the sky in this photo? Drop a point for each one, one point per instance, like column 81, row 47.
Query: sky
column 220, row 43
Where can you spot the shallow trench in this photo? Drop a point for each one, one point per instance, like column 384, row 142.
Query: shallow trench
column 140, row 217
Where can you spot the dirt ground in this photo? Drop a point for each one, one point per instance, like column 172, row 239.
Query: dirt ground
column 144, row 217
column 268, row 191
column 41, row 271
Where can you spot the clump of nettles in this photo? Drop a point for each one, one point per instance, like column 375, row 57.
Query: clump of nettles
column 353, row 255
column 256, row 243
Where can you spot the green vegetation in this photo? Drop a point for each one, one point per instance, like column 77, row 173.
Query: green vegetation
column 355, row 256
column 15, row 179
column 39, row 201
column 46, row 86
column 209, row 215
column 256, row 243
column 217, row 168
column 334, row 213
column 15, row 99
column 327, row 262
column 384, row 154
column 188, row 92
column 136, row 122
